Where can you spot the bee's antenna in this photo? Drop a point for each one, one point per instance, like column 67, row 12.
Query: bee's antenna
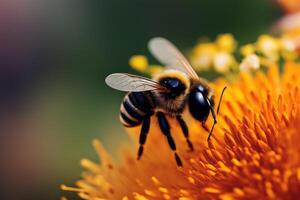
column 215, row 120
column 214, row 114
column 221, row 99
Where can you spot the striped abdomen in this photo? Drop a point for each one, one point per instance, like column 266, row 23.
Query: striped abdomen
column 134, row 108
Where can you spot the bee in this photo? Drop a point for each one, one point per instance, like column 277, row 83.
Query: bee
column 166, row 95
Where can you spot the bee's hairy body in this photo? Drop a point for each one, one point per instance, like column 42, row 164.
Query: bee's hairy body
column 134, row 108
column 168, row 94
column 138, row 105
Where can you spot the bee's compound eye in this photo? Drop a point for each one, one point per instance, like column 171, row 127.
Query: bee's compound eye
column 198, row 105
column 202, row 89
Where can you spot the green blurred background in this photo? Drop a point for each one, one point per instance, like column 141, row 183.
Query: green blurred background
column 74, row 45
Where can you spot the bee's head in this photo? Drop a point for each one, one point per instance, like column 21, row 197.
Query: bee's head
column 175, row 81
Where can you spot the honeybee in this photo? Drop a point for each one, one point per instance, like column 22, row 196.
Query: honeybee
column 167, row 94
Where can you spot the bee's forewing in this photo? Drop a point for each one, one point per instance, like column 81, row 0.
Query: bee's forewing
column 131, row 83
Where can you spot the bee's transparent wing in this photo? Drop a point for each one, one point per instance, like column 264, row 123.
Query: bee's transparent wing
column 131, row 83
column 168, row 54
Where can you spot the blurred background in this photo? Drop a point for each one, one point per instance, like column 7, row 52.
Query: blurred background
column 54, row 56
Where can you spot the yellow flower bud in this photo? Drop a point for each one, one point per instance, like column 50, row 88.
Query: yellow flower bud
column 251, row 62
column 223, row 61
column 287, row 44
column 288, row 48
column 226, row 42
column 202, row 56
column 268, row 46
column 247, row 49
column 154, row 69
column 139, row 62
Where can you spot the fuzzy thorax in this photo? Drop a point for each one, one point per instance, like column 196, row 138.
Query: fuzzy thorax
column 173, row 100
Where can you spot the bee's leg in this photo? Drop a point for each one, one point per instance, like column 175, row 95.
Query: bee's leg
column 185, row 131
column 143, row 135
column 205, row 126
column 165, row 128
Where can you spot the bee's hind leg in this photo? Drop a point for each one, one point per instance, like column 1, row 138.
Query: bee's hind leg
column 185, row 131
column 165, row 128
column 143, row 135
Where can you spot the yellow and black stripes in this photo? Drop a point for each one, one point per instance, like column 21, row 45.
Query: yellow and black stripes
column 135, row 107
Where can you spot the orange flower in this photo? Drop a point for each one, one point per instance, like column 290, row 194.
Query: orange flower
column 289, row 6
column 289, row 24
column 254, row 152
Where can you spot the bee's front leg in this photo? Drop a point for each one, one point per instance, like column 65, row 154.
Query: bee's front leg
column 185, row 131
